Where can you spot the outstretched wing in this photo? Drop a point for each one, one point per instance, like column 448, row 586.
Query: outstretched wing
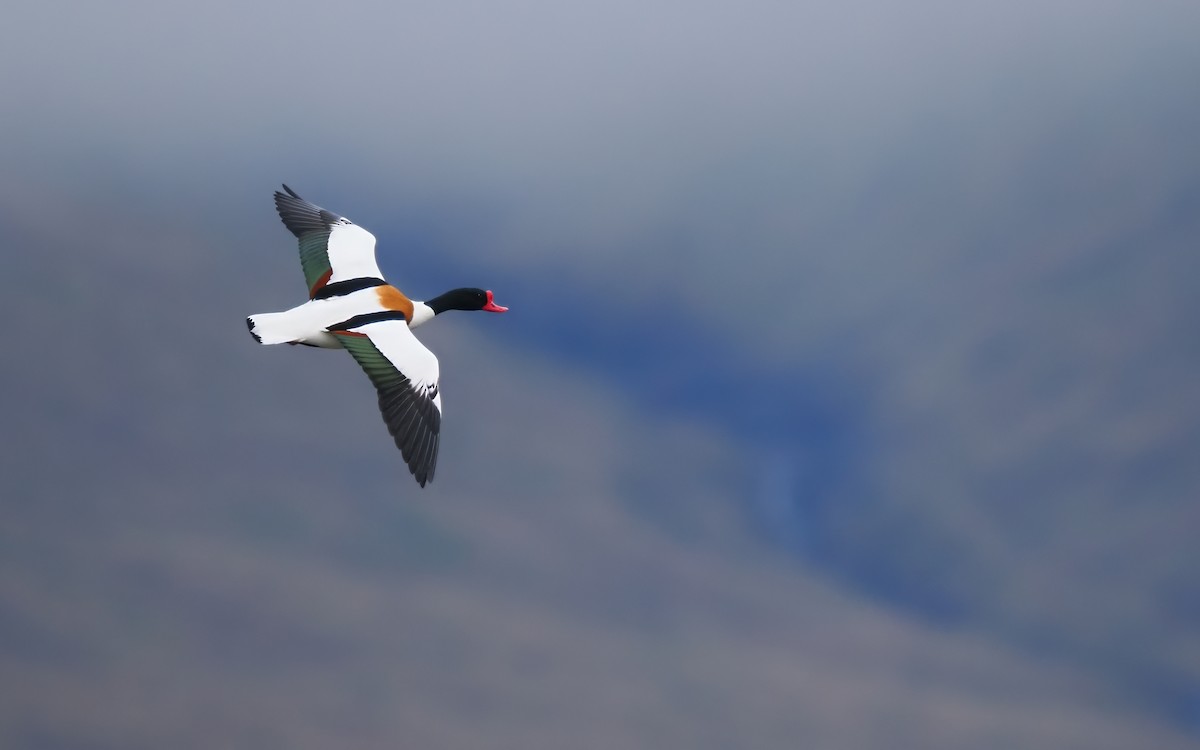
column 332, row 248
column 405, row 374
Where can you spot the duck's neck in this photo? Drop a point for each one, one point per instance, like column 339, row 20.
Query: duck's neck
column 422, row 313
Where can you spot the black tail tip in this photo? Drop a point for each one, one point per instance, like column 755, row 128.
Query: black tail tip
column 250, row 327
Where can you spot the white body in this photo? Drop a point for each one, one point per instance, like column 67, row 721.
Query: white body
column 309, row 323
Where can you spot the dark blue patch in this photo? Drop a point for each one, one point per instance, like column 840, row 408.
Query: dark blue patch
column 668, row 362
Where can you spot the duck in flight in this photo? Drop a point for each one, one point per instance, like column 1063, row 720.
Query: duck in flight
column 351, row 307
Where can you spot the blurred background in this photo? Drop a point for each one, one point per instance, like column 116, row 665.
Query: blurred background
column 848, row 396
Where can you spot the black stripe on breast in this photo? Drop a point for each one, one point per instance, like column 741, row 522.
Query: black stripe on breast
column 349, row 286
column 362, row 320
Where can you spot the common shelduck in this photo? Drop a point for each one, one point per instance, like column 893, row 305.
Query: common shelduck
column 351, row 307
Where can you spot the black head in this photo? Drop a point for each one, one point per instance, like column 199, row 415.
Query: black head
column 465, row 299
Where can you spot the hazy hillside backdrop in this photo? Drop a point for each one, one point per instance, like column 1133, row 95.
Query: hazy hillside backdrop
column 848, row 396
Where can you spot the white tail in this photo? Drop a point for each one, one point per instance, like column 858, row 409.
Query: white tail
column 271, row 328
column 296, row 326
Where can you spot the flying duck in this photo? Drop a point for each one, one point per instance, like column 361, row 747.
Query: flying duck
column 351, row 307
